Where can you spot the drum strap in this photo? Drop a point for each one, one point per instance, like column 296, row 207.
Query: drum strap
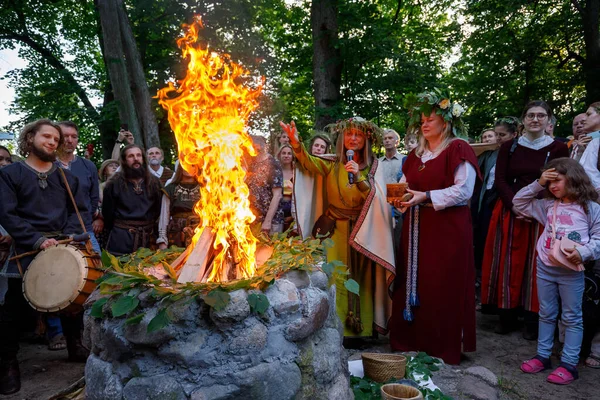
column 88, row 243
column 72, row 199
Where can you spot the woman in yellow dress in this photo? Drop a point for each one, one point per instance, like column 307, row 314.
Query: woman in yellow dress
column 358, row 220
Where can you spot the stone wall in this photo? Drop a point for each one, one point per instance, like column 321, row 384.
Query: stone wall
column 293, row 351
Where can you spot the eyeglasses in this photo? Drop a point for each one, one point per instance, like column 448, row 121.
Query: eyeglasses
column 540, row 116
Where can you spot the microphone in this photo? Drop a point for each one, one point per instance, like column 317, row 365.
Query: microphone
column 349, row 156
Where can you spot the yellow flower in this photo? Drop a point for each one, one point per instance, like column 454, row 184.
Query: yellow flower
column 444, row 104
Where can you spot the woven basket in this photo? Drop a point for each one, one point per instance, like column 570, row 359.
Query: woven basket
column 396, row 391
column 382, row 367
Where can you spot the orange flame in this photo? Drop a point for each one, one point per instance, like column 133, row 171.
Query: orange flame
column 208, row 112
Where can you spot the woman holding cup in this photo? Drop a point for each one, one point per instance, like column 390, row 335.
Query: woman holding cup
column 434, row 299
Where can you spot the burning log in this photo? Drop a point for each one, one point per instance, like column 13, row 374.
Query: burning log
column 199, row 259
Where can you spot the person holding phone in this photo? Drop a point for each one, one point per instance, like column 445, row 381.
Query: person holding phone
column 125, row 137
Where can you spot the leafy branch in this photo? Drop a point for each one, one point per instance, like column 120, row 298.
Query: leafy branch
column 127, row 276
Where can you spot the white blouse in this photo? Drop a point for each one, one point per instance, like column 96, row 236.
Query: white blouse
column 457, row 194
column 589, row 160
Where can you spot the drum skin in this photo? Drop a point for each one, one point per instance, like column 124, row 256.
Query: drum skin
column 61, row 278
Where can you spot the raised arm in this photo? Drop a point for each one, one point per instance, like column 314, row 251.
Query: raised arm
column 527, row 204
column 310, row 163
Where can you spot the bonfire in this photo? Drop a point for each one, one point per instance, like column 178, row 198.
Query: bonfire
column 208, row 112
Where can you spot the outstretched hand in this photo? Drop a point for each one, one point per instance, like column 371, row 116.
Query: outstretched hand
column 291, row 131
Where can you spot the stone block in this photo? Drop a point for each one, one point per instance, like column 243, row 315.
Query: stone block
column 217, row 392
column 159, row 387
column 476, row 389
column 115, row 347
column 185, row 310
column 327, row 355
column 484, row 374
column 278, row 347
column 252, row 338
column 187, row 349
column 270, row 381
column 237, row 310
column 100, row 382
column 283, row 297
column 92, row 333
column 315, row 309
column 340, row 390
column 319, row 279
column 299, row 278
column 138, row 333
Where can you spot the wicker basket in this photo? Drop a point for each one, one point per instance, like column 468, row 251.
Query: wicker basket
column 396, row 391
column 382, row 367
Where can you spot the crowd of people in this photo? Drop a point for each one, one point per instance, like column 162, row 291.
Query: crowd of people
column 513, row 230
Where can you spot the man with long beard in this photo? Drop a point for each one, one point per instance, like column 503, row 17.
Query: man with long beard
column 35, row 208
column 131, row 203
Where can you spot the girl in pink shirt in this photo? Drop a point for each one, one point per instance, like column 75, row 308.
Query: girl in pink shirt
column 569, row 191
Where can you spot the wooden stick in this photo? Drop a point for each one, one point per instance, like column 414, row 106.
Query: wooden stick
column 33, row 252
column 198, row 259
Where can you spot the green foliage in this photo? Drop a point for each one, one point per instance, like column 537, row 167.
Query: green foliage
column 352, row 286
column 217, row 299
column 161, row 320
column 259, row 303
column 365, row 388
column 124, row 305
column 418, row 369
column 127, row 275
column 97, row 307
column 519, row 51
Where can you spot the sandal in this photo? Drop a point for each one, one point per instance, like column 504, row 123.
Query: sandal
column 592, row 361
column 58, row 342
column 563, row 375
column 535, row 365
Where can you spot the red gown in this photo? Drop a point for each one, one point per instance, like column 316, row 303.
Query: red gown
column 445, row 318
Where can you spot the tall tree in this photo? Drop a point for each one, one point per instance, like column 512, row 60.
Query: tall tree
column 126, row 73
column 327, row 61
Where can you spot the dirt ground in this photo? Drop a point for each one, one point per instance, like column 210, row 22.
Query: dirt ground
column 45, row 373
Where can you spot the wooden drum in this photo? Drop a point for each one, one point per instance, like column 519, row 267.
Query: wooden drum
column 61, row 278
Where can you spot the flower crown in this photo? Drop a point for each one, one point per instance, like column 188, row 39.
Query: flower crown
column 372, row 132
column 438, row 100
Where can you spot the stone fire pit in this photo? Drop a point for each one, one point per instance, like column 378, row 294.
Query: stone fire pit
column 292, row 351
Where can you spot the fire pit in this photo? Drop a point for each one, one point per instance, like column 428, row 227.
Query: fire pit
column 292, row 350
column 220, row 319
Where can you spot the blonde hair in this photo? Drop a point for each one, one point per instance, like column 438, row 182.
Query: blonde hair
column 447, row 138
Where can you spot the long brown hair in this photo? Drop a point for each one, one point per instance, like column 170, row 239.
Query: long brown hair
column 578, row 185
column 151, row 182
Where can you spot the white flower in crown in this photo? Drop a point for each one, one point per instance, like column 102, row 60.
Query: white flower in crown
column 457, row 110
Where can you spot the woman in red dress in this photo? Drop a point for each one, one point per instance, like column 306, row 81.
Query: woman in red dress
column 434, row 299
column 508, row 271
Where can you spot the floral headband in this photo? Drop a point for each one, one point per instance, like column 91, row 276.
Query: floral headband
column 372, row 132
column 438, row 100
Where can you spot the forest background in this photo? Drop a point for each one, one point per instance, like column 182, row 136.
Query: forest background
column 100, row 62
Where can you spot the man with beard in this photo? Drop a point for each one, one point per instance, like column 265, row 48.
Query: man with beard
column 35, row 209
column 86, row 172
column 155, row 159
column 131, row 203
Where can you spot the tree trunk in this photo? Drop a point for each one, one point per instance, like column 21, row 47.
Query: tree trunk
column 327, row 62
column 591, row 31
column 139, row 86
column 116, row 67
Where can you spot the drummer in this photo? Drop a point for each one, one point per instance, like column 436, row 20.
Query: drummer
column 35, row 209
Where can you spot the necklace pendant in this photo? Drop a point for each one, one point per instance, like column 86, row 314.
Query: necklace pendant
column 42, row 180
column 421, row 167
